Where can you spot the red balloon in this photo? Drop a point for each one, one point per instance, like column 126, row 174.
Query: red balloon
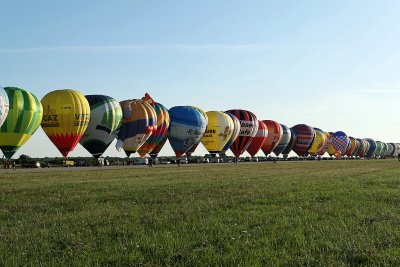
column 275, row 132
column 305, row 136
column 258, row 140
column 248, row 129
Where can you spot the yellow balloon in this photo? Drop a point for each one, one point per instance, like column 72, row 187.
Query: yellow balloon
column 219, row 130
column 317, row 144
column 331, row 150
column 66, row 115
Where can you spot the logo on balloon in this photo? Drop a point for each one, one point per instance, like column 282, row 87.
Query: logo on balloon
column 50, row 119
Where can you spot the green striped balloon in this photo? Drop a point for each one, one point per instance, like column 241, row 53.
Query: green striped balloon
column 24, row 117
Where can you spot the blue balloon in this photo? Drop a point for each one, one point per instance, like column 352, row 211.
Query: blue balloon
column 286, row 134
column 372, row 147
column 186, row 128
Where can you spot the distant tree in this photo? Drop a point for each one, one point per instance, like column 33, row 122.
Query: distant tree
column 24, row 158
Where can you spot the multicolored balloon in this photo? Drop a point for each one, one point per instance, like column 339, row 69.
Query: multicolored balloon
column 248, row 129
column 105, row 119
column 24, row 116
column 196, row 144
column 219, row 130
column 365, row 147
column 318, row 142
column 187, row 128
column 339, row 143
column 286, row 133
column 304, row 138
column 154, row 152
column 139, row 121
column 259, row 139
column 4, row 105
column 234, row 135
column 66, row 115
column 352, row 147
column 275, row 132
column 160, row 134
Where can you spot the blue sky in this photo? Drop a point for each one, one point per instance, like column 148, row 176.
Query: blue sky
column 329, row 64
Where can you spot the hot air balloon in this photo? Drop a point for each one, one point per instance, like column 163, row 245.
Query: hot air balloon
column 318, row 142
column 359, row 147
column 274, row 136
column 4, row 105
column 196, row 144
column 339, row 144
column 396, row 149
column 139, row 121
column 24, row 117
column 248, row 129
column 372, row 147
column 219, row 130
column 259, row 139
column 378, row 149
column 105, row 119
column 291, row 143
column 390, row 150
column 234, row 135
column 328, row 143
column 384, row 150
column 162, row 127
column 365, row 148
column 304, row 138
column 66, row 115
column 286, row 133
column 352, row 147
column 187, row 128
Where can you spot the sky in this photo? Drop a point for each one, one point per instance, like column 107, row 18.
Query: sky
column 329, row 64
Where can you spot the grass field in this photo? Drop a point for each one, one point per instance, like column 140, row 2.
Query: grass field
column 300, row 213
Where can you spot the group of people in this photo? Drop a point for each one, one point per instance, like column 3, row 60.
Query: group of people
column 10, row 165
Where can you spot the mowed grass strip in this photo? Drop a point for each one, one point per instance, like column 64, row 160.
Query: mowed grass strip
column 295, row 213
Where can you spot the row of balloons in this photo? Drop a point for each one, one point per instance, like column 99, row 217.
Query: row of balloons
column 144, row 125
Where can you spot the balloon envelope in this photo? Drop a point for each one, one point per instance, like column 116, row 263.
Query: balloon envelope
column 318, row 142
column 4, row 105
column 304, row 138
column 352, row 146
column 160, row 134
column 379, row 148
column 187, row 127
column 291, row 143
column 66, row 115
column 372, row 147
column 139, row 121
column 248, row 129
column 365, row 147
column 155, row 151
column 259, row 139
column 24, row 117
column 340, row 142
column 219, row 130
column 105, row 119
column 197, row 142
column 274, row 136
column 234, row 135
column 286, row 133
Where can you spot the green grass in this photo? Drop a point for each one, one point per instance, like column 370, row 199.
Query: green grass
column 313, row 213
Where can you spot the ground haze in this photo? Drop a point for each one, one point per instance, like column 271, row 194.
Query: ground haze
column 285, row 213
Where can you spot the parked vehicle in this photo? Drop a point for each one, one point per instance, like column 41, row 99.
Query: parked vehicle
column 31, row 164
